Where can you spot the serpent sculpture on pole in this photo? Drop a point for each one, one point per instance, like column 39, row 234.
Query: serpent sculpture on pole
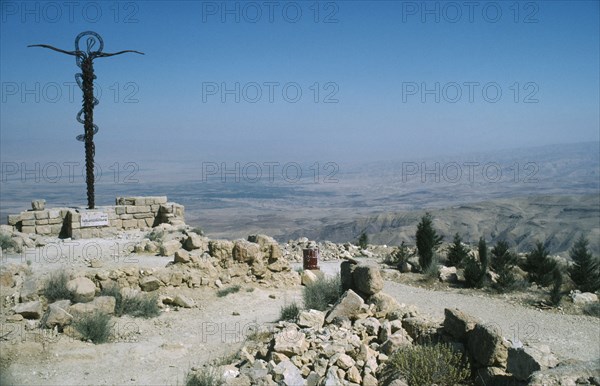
column 85, row 80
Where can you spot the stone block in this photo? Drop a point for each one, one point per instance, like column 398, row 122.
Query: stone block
column 56, row 220
column 160, row 200
column 13, row 219
column 137, row 209
column 41, row 214
column 154, row 208
column 143, row 215
column 149, row 222
column 141, row 223
column 126, row 216
column 139, row 201
column 42, row 222
column 27, row 215
column 28, row 229
column 55, row 229
column 75, row 225
column 120, row 209
column 38, row 204
column 54, row 213
column 42, row 229
column 118, row 223
column 28, row 223
column 128, row 224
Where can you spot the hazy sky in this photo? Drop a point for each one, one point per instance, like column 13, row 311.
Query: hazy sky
column 281, row 81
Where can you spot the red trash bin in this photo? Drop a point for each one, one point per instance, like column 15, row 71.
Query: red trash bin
column 310, row 258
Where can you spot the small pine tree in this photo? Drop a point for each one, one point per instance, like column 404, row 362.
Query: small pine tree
column 475, row 271
column 502, row 262
column 457, row 253
column 427, row 241
column 539, row 266
column 585, row 271
column 363, row 240
column 557, row 281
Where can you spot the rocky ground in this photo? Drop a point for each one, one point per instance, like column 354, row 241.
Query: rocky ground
column 196, row 326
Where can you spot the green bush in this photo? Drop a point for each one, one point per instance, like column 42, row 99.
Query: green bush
column 399, row 256
column 94, row 326
column 7, row 243
column 289, row 312
column 503, row 261
column 585, row 271
column 427, row 241
column 475, row 270
column 55, row 287
column 426, row 365
column 229, row 290
column 139, row 305
column 363, row 240
column 457, row 252
column 207, row 376
column 540, row 266
column 320, row 294
column 555, row 293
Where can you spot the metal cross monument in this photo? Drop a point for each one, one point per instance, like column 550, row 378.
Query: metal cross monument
column 85, row 80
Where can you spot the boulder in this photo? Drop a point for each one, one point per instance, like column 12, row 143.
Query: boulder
column 246, row 252
column 183, row 301
column 58, row 314
column 419, row 327
column 447, row 274
column 458, row 324
column 308, row 277
column 367, row 279
column 344, row 361
column 288, row 374
column 195, row 241
column 104, row 304
column 182, row 256
column 487, row 347
column 369, row 325
column 290, row 342
column 220, row 249
column 38, row 204
column 168, row 248
column 583, row 297
column 149, row 283
column 395, row 341
column 346, row 274
column 82, row 288
column 29, row 290
column 29, row 310
column 311, row 319
column 524, row 361
column 350, row 305
column 384, row 303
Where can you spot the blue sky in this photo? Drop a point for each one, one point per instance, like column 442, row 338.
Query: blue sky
column 373, row 61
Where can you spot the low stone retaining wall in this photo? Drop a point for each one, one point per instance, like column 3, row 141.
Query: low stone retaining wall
column 81, row 223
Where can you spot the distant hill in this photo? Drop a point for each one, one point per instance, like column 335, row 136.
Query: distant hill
column 556, row 220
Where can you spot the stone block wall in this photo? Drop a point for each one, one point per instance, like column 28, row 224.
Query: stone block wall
column 128, row 213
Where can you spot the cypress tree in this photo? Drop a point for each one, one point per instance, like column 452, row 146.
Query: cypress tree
column 427, row 241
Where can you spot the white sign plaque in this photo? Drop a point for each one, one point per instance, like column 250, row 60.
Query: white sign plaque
column 94, row 219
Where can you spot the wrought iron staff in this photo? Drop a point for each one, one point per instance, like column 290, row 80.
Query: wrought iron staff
column 85, row 80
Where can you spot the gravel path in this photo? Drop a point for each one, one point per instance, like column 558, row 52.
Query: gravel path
column 568, row 336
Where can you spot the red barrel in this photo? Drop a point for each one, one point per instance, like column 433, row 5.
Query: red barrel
column 310, row 258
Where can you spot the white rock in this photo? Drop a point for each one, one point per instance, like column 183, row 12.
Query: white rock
column 83, row 289
column 311, row 318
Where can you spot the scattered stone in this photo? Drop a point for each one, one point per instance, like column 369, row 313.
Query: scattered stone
column 487, row 347
column 583, row 297
column 311, row 318
column 82, row 288
column 246, row 252
column 308, row 277
column 104, row 304
column 523, row 362
column 384, row 303
column 149, row 283
column 395, row 341
column 367, row 279
column 195, row 241
column 344, row 361
column 458, row 324
column 168, row 248
column 272, row 296
column 290, row 342
column 183, row 301
column 58, row 314
column 182, row 256
column 29, row 310
column 349, row 305
column 29, row 290
column 288, row 374
column 14, row 318
column 447, row 274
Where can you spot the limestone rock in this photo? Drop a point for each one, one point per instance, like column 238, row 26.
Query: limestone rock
column 149, row 283
column 58, row 314
column 168, row 248
column 353, row 375
column 487, row 347
column 524, row 361
column 220, row 249
column 344, row 361
column 195, row 241
column 182, row 256
column 308, row 277
column 290, row 342
column 367, row 279
column 38, row 204
column 384, row 303
column 288, row 374
column 29, row 290
column 104, row 304
column 350, row 305
column 29, row 310
column 583, row 297
column 447, row 274
column 346, row 274
column 457, row 323
column 246, row 252
column 332, row 378
column 311, row 318
column 183, row 301
column 82, row 288
column 419, row 327
column 395, row 341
